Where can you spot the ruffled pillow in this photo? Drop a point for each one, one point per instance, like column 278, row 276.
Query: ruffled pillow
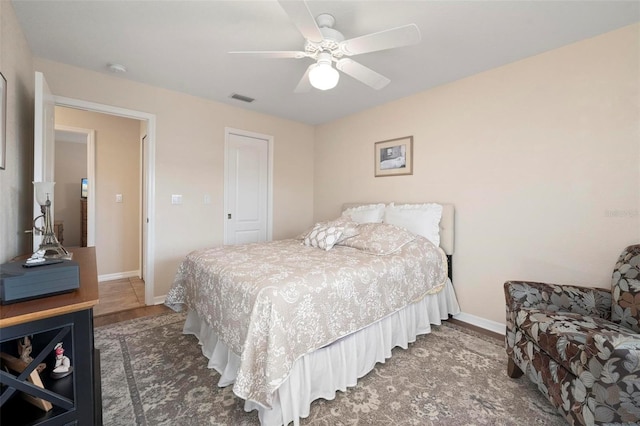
column 421, row 219
column 369, row 213
column 379, row 238
column 323, row 235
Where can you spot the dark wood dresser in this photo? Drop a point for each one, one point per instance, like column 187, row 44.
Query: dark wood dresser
column 66, row 318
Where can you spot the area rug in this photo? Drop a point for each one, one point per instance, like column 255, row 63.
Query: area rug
column 152, row 374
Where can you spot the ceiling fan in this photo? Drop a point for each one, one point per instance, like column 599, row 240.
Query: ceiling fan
column 326, row 45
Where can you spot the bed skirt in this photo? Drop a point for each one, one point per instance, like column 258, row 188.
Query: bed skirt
column 321, row 373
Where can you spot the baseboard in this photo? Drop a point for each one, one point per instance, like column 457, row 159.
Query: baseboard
column 119, row 276
column 159, row 300
column 494, row 326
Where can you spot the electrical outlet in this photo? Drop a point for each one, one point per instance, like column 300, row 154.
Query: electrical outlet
column 176, row 199
column 118, row 198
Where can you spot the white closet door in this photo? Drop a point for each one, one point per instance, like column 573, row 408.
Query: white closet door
column 247, row 178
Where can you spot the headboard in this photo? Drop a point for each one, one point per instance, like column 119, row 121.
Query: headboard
column 446, row 223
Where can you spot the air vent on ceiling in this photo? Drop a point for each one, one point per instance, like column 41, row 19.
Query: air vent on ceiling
column 241, row 98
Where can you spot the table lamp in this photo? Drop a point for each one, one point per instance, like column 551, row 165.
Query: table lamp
column 50, row 247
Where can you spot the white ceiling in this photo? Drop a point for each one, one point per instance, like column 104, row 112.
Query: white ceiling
column 184, row 45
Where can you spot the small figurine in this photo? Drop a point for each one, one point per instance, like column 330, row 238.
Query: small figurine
column 24, row 350
column 63, row 365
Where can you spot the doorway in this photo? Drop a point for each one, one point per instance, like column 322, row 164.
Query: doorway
column 75, row 160
column 117, row 191
column 146, row 199
column 43, row 163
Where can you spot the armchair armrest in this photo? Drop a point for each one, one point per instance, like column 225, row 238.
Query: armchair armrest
column 595, row 302
column 623, row 345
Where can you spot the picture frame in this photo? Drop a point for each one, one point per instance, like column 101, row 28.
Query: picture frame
column 393, row 157
column 3, row 122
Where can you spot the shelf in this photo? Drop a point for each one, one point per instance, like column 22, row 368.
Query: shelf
column 60, row 394
column 18, row 412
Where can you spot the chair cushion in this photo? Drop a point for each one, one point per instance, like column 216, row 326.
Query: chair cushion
column 569, row 339
column 625, row 303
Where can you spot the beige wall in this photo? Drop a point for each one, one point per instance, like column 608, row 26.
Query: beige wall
column 15, row 181
column 540, row 158
column 189, row 160
column 117, row 150
column 70, row 167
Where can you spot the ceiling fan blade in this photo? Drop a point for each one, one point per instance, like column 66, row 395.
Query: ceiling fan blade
column 362, row 73
column 304, row 85
column 387, row 39
column 273, row 54
column 301, row 16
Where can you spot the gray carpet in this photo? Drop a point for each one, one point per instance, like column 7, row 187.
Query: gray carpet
column 154, row 375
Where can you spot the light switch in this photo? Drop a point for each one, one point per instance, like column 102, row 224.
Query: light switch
column 207, row 199
column 118, row 198
column 176, row 199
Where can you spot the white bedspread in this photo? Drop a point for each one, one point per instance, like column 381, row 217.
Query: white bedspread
column 272, row 303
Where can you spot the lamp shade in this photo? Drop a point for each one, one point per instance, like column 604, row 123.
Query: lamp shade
column 44, row 192
column 323, row 76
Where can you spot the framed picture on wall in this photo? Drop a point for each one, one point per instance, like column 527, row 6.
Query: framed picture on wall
column 3, row 122
column 394, row 157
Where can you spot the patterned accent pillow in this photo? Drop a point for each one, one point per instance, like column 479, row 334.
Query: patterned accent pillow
column 379, row 238
column 625, row 304
column 323, row 235
column 350, row 228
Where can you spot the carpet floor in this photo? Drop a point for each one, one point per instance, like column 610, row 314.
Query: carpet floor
column 152, row 374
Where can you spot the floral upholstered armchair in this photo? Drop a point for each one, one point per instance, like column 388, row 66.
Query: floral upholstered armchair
column 581, row 346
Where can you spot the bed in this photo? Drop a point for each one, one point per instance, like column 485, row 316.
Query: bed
column 287, row 322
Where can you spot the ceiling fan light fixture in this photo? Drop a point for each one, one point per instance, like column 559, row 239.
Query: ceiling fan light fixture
column 323, row 76
column 327, row 45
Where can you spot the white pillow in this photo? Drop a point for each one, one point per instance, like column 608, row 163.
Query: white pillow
column 421, row 219
column 370, row 213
